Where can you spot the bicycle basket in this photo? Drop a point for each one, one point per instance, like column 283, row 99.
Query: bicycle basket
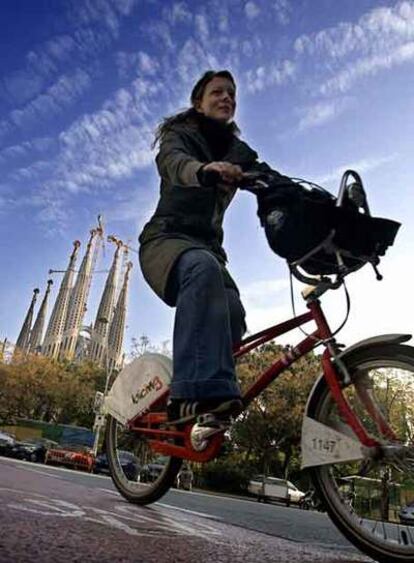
column 307, row 228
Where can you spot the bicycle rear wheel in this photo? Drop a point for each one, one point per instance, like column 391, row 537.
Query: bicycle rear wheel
column 140, row 475
column 373, row 506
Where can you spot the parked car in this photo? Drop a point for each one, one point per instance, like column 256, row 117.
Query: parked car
column 32, row 449
column 273, row 488
column 7, row 442
column 129, row 464
column 72, row 455
column 406, row 514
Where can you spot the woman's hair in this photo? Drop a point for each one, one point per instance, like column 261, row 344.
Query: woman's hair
column 189, row 115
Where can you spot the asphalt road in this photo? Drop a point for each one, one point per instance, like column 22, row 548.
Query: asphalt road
column 51, row 514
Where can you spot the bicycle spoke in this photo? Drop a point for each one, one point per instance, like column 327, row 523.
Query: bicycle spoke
column 374, row 498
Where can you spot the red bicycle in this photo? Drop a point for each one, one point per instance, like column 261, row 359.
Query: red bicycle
column 358, row 425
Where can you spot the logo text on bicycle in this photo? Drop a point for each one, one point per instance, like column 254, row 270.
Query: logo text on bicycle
column 155, row 384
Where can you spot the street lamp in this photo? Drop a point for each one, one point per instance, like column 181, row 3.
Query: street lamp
column 99, row 421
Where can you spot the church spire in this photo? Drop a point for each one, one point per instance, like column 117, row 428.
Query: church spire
column 105, row 309
column 37, row 331
column 117, row 327
column 79, row 298
column 22, row 344
column 3, row 350
column 56, row 323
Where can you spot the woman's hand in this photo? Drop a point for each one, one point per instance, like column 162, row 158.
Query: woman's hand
column 230, row 173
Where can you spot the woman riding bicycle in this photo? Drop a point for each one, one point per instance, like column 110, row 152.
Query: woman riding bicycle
column 200, row 160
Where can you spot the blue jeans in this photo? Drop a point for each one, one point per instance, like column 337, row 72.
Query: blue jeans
column 209, row 321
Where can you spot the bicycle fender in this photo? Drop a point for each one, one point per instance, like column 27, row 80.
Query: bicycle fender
column 366, row 343
column 376, row 341
column 351, row 449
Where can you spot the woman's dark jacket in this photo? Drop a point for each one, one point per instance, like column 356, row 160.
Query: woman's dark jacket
column 188, row 214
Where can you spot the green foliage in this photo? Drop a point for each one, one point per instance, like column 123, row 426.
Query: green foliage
column 227, row 474
column 268, row 434
column 39, row 388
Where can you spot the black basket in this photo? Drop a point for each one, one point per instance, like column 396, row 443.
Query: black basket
column 308, row 228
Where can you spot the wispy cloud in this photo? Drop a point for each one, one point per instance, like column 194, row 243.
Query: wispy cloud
column 63, row 93
column 103, row 12
column 202, row 27
column 251, row 10
column 133, row 205
column 193, row 58
column 178, row 13
column 132, row 64
column 160, row 31
column 381, row 39
column 322, row 112
column 273, row 74
column 109, row 144
column 32, row 172
column 368, row 66
column 283, row 10
column 47, row 60
column 363, row 165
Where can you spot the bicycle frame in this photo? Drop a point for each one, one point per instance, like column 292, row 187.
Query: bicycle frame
column 155, row 424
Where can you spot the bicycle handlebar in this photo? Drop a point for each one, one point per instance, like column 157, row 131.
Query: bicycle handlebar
column 255, row 182
column 249, row 182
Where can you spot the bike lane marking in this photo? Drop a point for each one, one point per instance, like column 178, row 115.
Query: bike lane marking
column 170, row 506
column 201, row 514
column 157, row 522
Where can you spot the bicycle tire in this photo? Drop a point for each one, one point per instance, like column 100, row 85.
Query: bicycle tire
column 135, row 491
column 343, row 513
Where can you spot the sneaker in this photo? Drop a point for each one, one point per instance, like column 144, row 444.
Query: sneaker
column 183, row 410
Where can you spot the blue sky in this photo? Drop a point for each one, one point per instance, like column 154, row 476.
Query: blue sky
column 322, row 86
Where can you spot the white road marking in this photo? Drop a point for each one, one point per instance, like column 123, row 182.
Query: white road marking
column 110, row 491
column 151, row 522
column 202, row 514
column 43, row 473
column 93, row 475
column 27, row 464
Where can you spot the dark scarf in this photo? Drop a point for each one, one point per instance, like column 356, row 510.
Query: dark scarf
column 218, row 135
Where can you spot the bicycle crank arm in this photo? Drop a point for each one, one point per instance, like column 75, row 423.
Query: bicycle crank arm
column 205, row 450
column 201, row 432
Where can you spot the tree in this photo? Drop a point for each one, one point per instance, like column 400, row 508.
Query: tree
column 40, row 388
column 269, row 432
column 141, row 345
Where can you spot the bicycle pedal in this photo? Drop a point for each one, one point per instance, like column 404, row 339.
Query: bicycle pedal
column 210, row 420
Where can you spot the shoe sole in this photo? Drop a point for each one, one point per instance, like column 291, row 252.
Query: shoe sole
column 232, row 407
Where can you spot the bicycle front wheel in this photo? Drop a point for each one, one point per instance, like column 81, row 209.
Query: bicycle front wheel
column 140, row 475
column 373, row 505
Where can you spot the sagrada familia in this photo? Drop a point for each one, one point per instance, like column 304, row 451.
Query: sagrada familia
column 66, row 337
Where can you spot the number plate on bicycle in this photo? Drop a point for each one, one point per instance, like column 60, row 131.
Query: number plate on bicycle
column 322, row 445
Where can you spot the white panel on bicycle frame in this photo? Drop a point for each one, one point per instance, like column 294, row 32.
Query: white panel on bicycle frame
column 322, row 445
column 138, row 386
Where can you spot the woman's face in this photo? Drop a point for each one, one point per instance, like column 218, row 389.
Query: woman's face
column 219, row 99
